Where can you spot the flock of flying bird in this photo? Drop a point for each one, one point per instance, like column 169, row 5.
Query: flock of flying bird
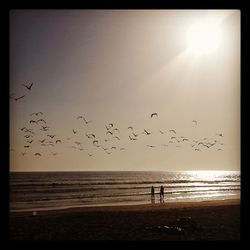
column 112, row 134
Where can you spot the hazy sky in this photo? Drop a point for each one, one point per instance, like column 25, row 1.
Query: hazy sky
column 120, row 66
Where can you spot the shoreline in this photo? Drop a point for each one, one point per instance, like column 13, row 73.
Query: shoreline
column 129, row 207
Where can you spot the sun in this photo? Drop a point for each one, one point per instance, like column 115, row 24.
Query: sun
column 204, row 37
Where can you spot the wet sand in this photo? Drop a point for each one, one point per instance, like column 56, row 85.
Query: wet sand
column 209, row 220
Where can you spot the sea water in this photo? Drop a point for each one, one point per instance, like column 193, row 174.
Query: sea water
column 31, row 191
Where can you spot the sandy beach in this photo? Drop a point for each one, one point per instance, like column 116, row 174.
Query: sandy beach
column 208, row 220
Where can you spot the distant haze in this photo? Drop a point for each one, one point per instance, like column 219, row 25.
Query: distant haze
column 119, row 67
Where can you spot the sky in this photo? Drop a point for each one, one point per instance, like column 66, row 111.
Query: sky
column 119, row 67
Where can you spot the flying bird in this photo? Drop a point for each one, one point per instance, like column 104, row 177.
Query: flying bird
column 113, row 147
column 42, row 141
column 28, row 87
column 194, row 121
column 33, row 121
column 51, row 136
column 90, row 154
column 135, row 135
column 150, row 146
column 44, row 128
column 95, row 141
column 79, row 117
column 18, row 98
column 28, row 136
column 23, row 153
column 57, row 141
column 86, row 121
column 161, row 132
column 108, row 132
column 146, row 132
column 153, row 114
column 27, row 146
column 38, row 154
column 220, row 134
column 74, row 131
column 172, row 130
column 132, row 139
column 37, row 113
column 30, row 141
column 117, row 138
column 130, row 127
column 41, row 120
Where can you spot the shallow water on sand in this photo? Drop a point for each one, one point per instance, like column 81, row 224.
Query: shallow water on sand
column 53, row 190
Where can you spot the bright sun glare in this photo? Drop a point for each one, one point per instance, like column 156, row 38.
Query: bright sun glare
column 204, row 37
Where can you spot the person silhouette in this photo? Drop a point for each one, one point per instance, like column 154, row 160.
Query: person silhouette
column 162, row 194
column 152, row 194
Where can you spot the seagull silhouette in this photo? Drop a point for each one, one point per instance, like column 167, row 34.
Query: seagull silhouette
column 28, row 136
column 172, row 130
column 41, row 120
column 146, row 132
column 130, row 127
column 33, row 121
column 135, row 135
column 108, row 132
column 37, row 113
column 220, row 134
column 95, row 141
column 194, row 121
column 38, row 154
column 117, row 138
column 132, row 139
column 150, row 146
column 44, row 128
column 57, row 141
column 51, row 136
column 28, row 87
column 86, row 121
column 74, row 131
column 153, row 114
column 18, row 98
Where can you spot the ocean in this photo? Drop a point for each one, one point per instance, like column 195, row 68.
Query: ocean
column 34, row 191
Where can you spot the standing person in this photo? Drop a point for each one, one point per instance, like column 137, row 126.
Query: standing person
column 162, row 194
column 152, row 194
